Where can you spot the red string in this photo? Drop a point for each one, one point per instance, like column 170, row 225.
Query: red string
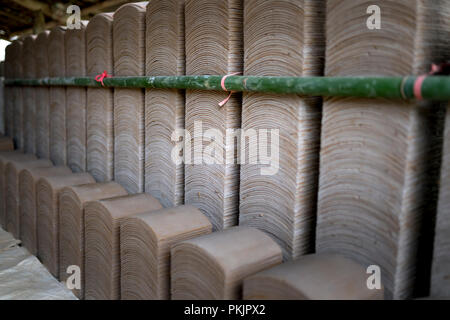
column 222, row 83
column 100, row 77
column 436, row 69
column 418, row 86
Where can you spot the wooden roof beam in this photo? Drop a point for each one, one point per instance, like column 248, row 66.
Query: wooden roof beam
column 94, row 9
column 100, row 7
column 35, row 5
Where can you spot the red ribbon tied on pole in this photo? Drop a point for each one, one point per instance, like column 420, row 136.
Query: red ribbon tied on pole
column 436, row 69
column 222, row 83
column 100, row 77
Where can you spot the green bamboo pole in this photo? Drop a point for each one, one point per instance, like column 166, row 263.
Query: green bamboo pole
column 433, row 88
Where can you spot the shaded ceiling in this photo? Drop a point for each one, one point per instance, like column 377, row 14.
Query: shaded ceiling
column 19, row 17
